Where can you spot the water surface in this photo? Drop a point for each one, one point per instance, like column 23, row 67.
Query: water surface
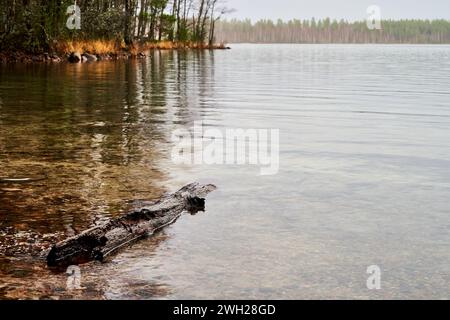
column 364, row 172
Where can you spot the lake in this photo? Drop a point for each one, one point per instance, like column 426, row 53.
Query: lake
column 363, row 179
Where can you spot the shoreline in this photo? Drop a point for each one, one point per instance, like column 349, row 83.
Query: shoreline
column 98, row 50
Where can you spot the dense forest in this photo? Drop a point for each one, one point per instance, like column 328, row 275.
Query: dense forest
column 34, row 25
column 333, row 31
column 39, row 25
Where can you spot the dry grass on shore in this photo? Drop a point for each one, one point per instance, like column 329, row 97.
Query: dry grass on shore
column 103, row 47
column 91, row 46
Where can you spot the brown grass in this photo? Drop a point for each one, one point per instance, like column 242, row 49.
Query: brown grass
column 113, row 47
column 171, row 45
column 90, row 46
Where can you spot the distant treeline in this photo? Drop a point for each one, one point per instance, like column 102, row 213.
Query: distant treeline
column 34, row 24
column 332, row 31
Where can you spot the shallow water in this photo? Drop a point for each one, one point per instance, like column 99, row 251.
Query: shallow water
column 364, row 173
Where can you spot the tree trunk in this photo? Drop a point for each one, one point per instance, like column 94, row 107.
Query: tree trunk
column 128, row 22
column 100, row 242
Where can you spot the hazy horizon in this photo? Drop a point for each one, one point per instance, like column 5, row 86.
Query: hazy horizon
column 351, row 10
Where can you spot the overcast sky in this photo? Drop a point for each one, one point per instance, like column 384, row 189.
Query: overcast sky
column 346, row 9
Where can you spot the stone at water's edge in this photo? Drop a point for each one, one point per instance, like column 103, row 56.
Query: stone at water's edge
column 89, row 57
column 74, row 57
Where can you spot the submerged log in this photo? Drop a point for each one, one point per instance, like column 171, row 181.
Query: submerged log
column 100, row 242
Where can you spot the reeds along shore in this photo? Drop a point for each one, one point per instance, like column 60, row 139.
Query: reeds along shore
column 88, row 50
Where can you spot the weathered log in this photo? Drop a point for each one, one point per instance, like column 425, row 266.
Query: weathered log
column 100, row 242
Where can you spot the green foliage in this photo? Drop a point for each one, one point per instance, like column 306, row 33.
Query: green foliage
column 33, row 25
column 103, row 25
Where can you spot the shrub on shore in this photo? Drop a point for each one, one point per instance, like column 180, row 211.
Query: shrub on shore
column 103, row 50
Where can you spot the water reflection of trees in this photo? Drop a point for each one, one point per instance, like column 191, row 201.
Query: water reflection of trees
column 99, row 132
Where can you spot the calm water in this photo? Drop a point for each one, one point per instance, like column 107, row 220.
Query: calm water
column 364, row 172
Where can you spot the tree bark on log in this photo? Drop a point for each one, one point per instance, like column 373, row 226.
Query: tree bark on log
column 100, row 242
